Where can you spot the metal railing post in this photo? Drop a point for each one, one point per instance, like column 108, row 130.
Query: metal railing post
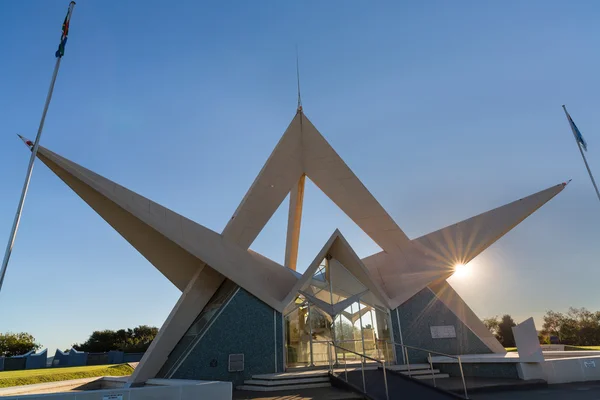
column 462, row 375
column 431, row 369
column 346, row 369
column 312, row 360
column 407, row 362
column 385, row 355
column 329, row 357
column 387, row 393
column 362, row 367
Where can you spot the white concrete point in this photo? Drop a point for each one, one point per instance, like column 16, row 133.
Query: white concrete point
column 528, row 344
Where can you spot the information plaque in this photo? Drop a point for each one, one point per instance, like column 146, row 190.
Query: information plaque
column 443, row 332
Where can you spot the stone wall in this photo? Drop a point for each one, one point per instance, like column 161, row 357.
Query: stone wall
column 246, row 326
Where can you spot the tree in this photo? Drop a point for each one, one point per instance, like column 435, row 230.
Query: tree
column 140, row 338
column 14, row 344
column 578, row 327
column 553, row 322
column 492, row 324
column 136, row 340
column 505, row 332
column 345, row 331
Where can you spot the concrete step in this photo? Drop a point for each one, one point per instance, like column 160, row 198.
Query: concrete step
column 292, row 375
column 283, row 387
column 280, row 382
column 413, row 367
column 420, row 372
column 437, row 376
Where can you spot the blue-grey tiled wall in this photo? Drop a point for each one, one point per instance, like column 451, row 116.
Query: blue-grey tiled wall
column 421, row 312
column 246, row 325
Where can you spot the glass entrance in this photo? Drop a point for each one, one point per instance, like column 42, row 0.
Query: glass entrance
column 336, row 307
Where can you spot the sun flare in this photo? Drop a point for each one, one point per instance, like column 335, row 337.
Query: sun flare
column 461, row 271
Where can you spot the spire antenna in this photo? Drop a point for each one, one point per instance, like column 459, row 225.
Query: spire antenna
column 298, row 78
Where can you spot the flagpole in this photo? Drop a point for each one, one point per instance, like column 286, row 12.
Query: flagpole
column 582, row 154
column 17, row 220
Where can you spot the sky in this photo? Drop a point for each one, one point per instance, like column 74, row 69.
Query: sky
column 443, row 109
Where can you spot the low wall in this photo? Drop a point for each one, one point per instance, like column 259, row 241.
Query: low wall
column 487, row 370
column 74, row 358
column 132, row 357
column 115, row 357
column 60, row 359
column 37, row 361
column 97, row 359
column 14, row 363
column 71, row 358
column 77, row 358
column 563, row 370
column 558, row 366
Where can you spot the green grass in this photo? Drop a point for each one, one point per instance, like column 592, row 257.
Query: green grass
column 32, row 376
column 570, row 348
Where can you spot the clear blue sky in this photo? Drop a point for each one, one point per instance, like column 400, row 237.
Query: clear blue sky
column 443, row 109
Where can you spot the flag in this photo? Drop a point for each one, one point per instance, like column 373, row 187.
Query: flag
column 28, row 142
column 65, row 32
column 578, row 136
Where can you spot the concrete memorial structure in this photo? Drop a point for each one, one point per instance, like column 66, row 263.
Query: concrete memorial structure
column 528, row 344
column 242, row 314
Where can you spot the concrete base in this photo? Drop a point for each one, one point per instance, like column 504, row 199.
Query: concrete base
column 558, row 366
column 103, row 388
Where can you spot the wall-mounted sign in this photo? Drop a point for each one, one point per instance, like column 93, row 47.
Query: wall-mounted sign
column 112, row 397
column 443, row 332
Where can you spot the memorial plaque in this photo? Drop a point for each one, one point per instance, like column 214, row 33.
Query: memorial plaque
column 443, row 332
column 112, row 397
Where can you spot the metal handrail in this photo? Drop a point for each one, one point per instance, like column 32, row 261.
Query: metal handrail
column 429, row 352
column 354, row 352
column 362, row 366
column 418, row 348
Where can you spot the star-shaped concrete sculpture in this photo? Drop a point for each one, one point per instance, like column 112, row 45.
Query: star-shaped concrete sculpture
column 198, row 260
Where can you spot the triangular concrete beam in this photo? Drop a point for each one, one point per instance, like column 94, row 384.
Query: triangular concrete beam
column 431, row 258
column 175, row 245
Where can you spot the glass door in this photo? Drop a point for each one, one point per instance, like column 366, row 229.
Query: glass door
column 314, row 319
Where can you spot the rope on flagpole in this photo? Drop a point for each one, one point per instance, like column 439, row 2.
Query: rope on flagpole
column 581, row 151
column 15, row 227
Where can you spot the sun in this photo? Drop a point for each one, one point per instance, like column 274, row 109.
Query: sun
column 461, row 271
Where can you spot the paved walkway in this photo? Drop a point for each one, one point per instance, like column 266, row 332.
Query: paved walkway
column 399, row 387
column 571, row 391
column 329, row 393
column 478, row 385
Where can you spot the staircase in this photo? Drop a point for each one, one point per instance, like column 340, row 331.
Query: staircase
column 418, row 371
column 400, row 386
column 320, row 378
column 287, row 381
